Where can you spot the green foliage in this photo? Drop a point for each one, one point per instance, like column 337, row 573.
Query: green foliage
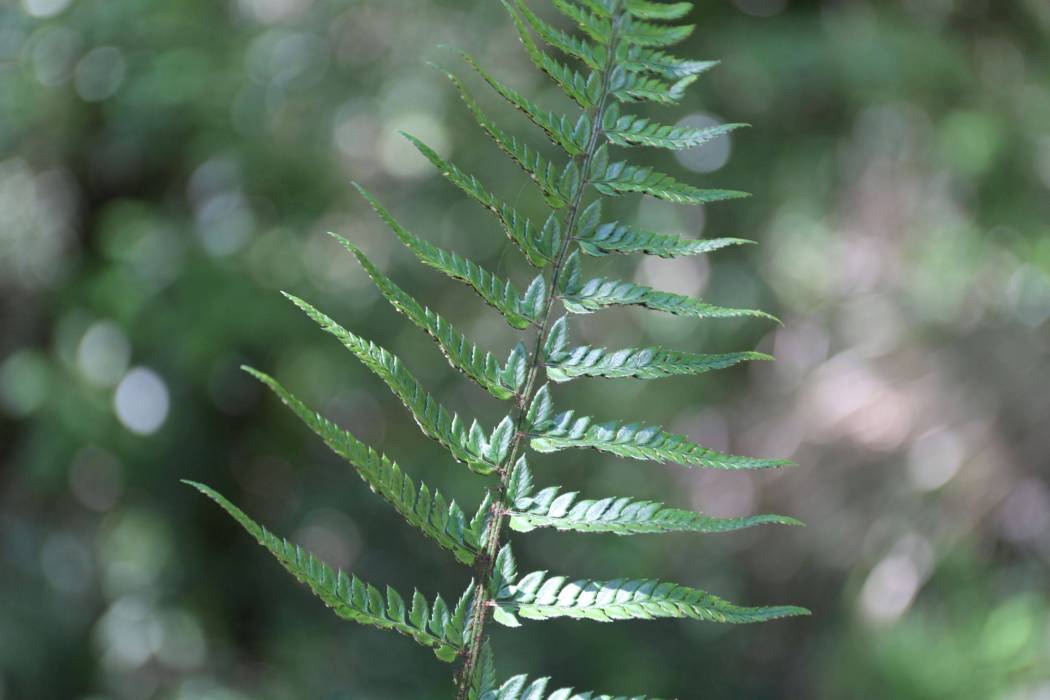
column 552, row 432
column 503, row 382
column 563, row 364
column 630, row 130
column 518, row 229
column 571, row 135
column 622, row 178
column 624, row 239
column 498, row 293
column 661, row 63
column 471, row 446
column 550, row 507
column 621, row 59
column 537, row 596
column 425, row 508
column 582, row 297
column 486, row 687
column 432, row 625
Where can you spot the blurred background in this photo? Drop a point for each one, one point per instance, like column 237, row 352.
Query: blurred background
column 166, row 166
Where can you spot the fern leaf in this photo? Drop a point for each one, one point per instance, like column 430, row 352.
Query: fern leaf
column 637, row 59
column 624, row 240
column 646, row 9
column 635, row 441
column 520, row 688
column 600, row 292
column 596, row 25
column 648, row 34
column 505, row 571
column 630, row 130
column 622, row 516
column 643, row 88
column 472, row 447
column 625, row 516
column 463, row 355
column 583, row 91
column 497, row 293
column 572, row 137
column 550, row 507
column 601, row 8
column 563, row 364
column 620, row 178
column 591, row 56
column 541, row 597
column 541, row 171
column 518, row 228
column 639, row 363
column 352, row 599
column 424, row 508
column 484, row 685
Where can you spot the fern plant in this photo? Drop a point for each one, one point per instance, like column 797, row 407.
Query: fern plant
column 618, row 59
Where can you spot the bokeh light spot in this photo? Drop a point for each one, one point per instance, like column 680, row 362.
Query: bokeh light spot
column 935, row 459
column 397, row 154
column 103, row 353
column 708, row 157
column 54, row 54
column 45, row 8
column 23, row 383
column 100, row 73
column 142, row 401
column 894, row 582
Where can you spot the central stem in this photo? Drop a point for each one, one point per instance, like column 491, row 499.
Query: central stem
column 486, row 560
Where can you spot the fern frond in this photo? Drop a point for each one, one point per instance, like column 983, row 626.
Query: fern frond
column 502, row 382
column 620, row 516
column 518, row 228
column 584, row 91
column 635, row 441
column 648, row 34
column 594, row 22
column 624, row 240
column 571, row 137
column 432, row 625
column 641, row 363
column 638, row 363
column 471, row 446
column 520, row 688
column 580, row 49
column 541, row 597
column 620, row 178
column 484, row 684
column 600, row 292
column 601, row 8
column 498, row 293
column 630, row 130
column 545, row 174
column 424, row 508
column 646, row 9
column 618, row 58
column 639, row 59
column 550, row 507
column 624, row 516
column 643, row 88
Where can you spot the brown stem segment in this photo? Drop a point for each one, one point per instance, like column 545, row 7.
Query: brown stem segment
column 487, row 559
